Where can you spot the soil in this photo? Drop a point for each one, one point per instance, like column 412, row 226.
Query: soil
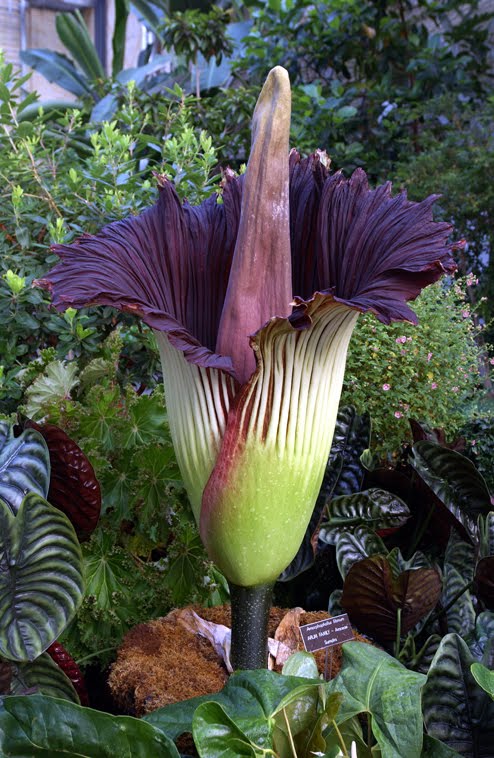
column 160, row 662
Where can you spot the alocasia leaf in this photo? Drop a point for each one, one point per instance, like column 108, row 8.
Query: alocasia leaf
column 455, row 480
column 456, row 710
column 24, row 465
column 354, row 546
column 374, row 508
column 43, row 676
column 372, row 596
column 31, row 726
column 344, row 473
column 40, row 577
column 74, row 488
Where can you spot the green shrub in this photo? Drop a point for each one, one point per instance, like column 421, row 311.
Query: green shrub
column 427, row 372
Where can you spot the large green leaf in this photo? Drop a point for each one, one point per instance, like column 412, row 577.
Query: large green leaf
column 375, row 508
column 217, row 736
column 42, row 676
column 24, row 465
column 51, row 728
column 373, row 682
column 484, row 677
column 40, row 577
column 456, row 710
column 373, row 597
column 72, row 30
column 398, row 564
column 250, row 699
column 356, row 545
column 455, row 480
column 57, row 68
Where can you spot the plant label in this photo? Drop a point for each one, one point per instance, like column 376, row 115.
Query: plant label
column 326, row 633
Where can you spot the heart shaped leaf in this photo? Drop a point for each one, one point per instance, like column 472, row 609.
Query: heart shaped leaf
column 31, row 726
column 455, row 480
column 373, row 682
column 40, row 577
column 74, row 488
column 374, row 508
column 372, row 596
column 484, row 677
column 24, row 465
column 357, row 545
column 456, row 710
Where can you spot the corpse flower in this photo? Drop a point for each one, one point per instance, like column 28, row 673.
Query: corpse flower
column 253, row 299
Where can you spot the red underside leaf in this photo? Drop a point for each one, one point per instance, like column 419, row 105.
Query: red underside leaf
column 372, row 596
column 70, row 668
column 74, row 488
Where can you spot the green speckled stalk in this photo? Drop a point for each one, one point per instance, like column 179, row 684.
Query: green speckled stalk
column 250, row 616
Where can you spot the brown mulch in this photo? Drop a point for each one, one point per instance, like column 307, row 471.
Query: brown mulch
column 160, row 662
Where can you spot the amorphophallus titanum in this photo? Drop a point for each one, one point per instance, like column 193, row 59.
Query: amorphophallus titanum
column 253, row 301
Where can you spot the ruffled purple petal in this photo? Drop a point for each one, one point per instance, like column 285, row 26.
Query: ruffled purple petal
column 170, row 265
column 370, row 250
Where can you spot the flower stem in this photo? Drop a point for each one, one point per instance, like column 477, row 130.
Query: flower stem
column 250, row 616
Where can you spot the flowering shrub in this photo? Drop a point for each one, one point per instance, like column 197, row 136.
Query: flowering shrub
column 427, row 372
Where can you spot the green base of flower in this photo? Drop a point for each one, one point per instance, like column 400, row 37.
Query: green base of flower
column 250, row 616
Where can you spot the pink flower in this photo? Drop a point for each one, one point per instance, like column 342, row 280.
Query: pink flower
column 434, row 386
column 398, row 414
column 401, row 339
column 386, row 387
column 465, row 314
column 491, row 361
column 455, row 389
column 429, row 356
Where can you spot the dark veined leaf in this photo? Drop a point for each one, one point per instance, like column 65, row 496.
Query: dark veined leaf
column 40, row 577
column 356, row 545
column 57, row 68
column 458, row 571
column 344, row 472
column 72, row 30
column 456, row 710
column 24, row 465
column 74, row 488
column 31, row 726
column 374, row 508
column 399, row 564
column 480, row 639
column 372, row 596
column 484, row 581
column 484, row 677
column 44, row 677
column 455, row 480
column 66, row 663
column 373, row 682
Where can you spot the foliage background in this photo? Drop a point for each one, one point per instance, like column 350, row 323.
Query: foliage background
column 395, row 87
